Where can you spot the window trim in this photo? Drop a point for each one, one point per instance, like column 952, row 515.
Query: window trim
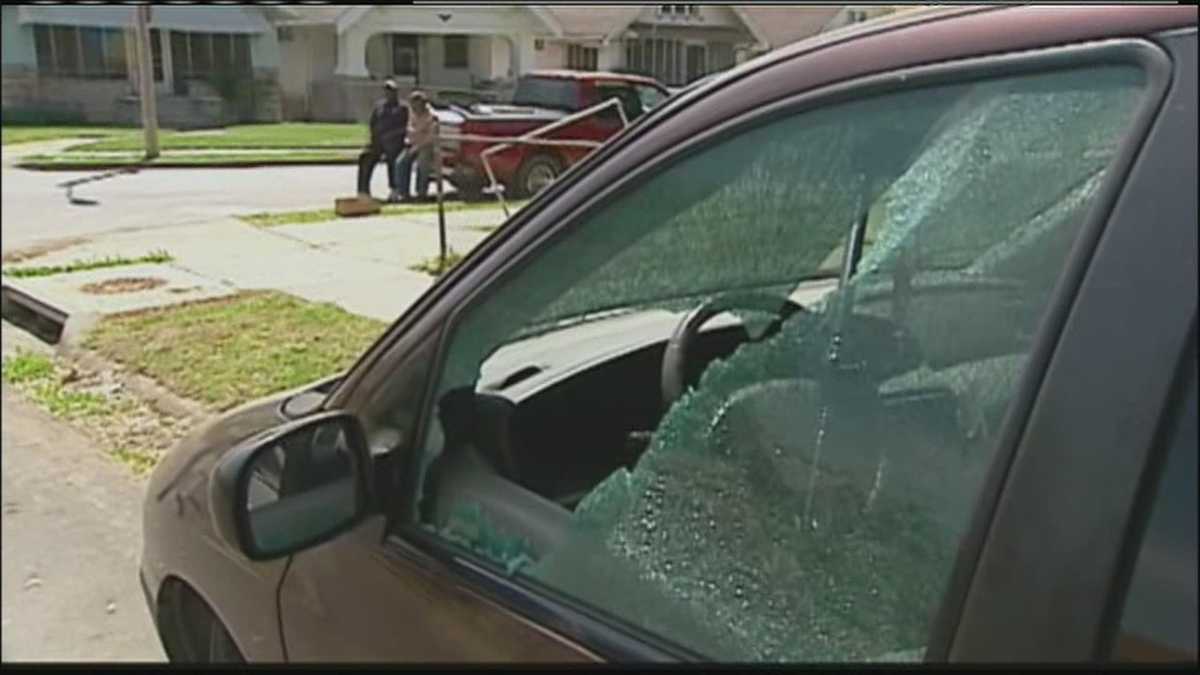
column 995, row 544
column 1147, row 497
column 621, row 640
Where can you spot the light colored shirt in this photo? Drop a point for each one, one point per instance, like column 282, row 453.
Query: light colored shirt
column 421, row 129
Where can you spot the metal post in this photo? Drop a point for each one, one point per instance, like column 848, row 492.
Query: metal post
column 437, row 173
column 146, row 70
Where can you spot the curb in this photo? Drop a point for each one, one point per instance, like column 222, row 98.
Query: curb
column 143, row 387
column 101, row 166
column 70, row 348
column 64, row 334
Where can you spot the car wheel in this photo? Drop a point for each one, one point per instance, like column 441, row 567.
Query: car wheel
column 197, row 635
column 535, row 174
column 470, row 191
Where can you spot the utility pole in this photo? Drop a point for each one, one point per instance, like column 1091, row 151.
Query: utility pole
column 146, row 79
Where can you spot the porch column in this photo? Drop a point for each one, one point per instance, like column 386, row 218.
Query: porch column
column 523, row 55
column 611, row 55
column 131, row 59
column 168, row 66
column 352, row 54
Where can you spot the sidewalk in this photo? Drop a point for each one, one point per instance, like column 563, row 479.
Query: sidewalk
column 360, row 264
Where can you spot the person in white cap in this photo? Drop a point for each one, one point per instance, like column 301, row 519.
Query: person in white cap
column 389, row 124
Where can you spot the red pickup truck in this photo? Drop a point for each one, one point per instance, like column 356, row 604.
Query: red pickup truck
column 541, row 98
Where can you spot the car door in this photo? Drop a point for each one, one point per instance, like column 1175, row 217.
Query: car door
column 404, row 590
column 1062, row 538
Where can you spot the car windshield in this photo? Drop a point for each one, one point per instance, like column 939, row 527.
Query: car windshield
column 547, row 92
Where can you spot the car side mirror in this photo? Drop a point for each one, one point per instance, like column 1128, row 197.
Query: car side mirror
column 293, row 487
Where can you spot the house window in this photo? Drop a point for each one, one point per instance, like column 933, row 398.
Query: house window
column 72, row 51
column 405, row 56
column 660, row 58
column 679, row 10
column 582, row 58
column 201, row 55
column 456, row 51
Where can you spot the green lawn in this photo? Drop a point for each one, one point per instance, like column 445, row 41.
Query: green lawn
column 275, row 219
column 12, row 135
column 229, row 351
column 155, row 257
column 247, row 136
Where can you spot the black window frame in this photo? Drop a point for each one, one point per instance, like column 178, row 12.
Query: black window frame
column 182, row 63
column 108, row 63
column 1171, row 441
column 582, row 57
column 460, row 59
column 618, row 640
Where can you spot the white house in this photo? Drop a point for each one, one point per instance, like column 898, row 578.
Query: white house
column 333, row 57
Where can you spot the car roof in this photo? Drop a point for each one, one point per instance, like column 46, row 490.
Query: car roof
column 895, row 35
column 593, row 75
column 924, row 36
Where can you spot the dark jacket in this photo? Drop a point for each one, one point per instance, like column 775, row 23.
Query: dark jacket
column 389, row 122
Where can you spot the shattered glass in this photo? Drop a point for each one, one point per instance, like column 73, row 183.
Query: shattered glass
column 805, row 500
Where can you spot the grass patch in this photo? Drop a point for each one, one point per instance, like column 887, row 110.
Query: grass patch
column 38, row 377
column 142, row 461
column 155, row 257
column 229, row 351
column 435, row 266
column 305, row 217
column 83, row 161
column 135, row 433
column 25, row 367
column 67, row 403
column 10, row 135
column 484, row 228
column 245, row 137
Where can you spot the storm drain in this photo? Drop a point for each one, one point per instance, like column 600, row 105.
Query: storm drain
column 122, row 285
column 36, row 317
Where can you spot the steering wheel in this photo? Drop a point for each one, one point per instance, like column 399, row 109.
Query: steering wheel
column 675, row 358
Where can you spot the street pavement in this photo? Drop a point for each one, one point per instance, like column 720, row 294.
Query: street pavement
column 71, row 531
column 34, row 208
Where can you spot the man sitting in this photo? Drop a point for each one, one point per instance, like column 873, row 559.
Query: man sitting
column 389, row 123
column 422, row 136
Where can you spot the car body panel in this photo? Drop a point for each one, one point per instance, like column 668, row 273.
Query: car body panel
column 179, row 540
column 400, row 610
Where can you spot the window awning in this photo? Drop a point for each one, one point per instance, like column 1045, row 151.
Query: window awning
column 198, row 18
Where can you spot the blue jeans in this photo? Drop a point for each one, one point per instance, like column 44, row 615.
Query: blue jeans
column 423, row 157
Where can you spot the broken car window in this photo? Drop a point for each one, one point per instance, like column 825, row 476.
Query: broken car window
column 804, row 498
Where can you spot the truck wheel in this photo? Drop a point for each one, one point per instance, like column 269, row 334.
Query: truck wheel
column 470, row 191
column 535, row 174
